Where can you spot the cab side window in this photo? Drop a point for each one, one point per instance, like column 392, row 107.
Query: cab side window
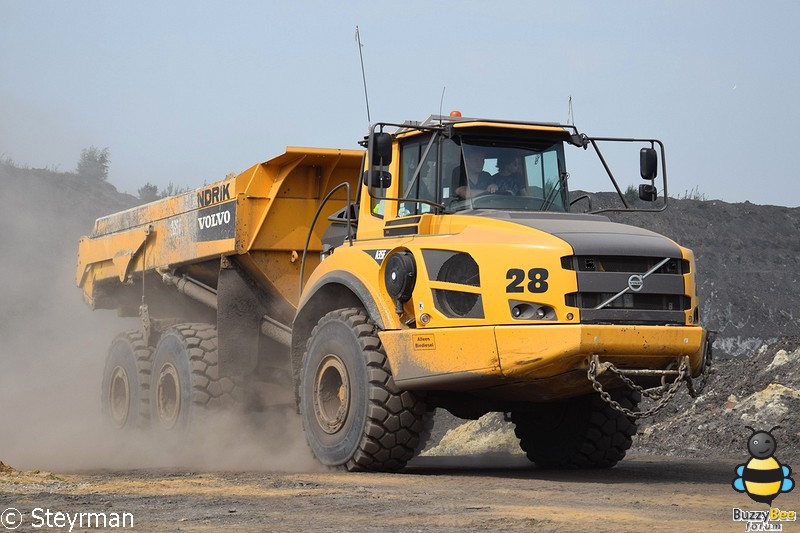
column 417, row 177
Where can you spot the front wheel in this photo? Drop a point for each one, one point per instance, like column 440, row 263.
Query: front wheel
column 582, row 432
column 353, row 413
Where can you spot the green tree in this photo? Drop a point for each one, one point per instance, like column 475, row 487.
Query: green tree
column 148, row 192
column 93, row 163
column 172, row 190
column 631, row 194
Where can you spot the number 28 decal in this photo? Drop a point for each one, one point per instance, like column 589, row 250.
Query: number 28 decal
column 537, row 280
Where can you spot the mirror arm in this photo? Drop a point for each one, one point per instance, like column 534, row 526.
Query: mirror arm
column 663, row 173
column 608, row 171
column 663, row 170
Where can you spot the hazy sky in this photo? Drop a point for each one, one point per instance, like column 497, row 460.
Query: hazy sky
column 187, row 91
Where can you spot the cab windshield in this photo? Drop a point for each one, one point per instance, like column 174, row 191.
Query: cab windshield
column 480, row 174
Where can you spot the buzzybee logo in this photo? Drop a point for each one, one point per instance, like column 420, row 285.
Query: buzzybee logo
column 762, row 477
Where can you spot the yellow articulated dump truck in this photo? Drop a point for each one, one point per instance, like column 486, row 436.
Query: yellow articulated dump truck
column 444, row 266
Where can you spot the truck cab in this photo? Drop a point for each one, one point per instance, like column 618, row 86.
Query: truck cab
column 464, row 167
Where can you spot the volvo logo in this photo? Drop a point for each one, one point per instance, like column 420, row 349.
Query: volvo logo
column 636, row 283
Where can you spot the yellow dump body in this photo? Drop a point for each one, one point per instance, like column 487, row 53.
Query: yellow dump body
column 263, row 214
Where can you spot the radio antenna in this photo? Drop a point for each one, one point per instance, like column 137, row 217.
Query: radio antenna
column 441, row 103
column 570, row 116
column 363, row 75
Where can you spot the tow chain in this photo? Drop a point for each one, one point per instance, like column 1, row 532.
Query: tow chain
column 694, row 392
column 662, row 398
column 708, row 359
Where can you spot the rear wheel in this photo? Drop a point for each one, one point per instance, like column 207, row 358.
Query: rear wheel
column 185, row 381
column 583, row 432
column 353, row 413
column 126, row 382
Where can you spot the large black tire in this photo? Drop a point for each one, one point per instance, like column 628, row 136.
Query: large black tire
column 583, row 432
column 185, row 381
column 353, row 413
column 125, row 398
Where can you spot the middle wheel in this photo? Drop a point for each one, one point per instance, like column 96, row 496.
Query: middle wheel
column 353, row 413
column 185, row 381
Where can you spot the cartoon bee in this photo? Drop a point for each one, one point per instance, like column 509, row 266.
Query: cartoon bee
column 762, row 477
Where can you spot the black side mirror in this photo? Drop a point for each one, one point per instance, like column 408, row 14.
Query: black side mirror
column 380, row 146
column 380, row 179
column 648, row 163
column 648, row 193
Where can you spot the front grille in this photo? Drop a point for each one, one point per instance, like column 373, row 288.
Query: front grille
column 663, row 302
column 633, row 265
column 661, row 299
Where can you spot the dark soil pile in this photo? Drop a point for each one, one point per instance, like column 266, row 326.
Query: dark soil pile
column 761, row 391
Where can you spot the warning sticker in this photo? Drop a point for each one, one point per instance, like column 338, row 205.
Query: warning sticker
column 424, row 342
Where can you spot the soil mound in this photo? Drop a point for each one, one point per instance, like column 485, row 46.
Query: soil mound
column 488, row 434
column 761, row 391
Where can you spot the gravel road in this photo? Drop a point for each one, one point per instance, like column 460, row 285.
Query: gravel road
column 472, row 493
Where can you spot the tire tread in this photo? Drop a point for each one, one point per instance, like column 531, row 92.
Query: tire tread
column 600, row 438
column 392, row 431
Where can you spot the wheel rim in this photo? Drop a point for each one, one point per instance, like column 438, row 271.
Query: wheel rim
column 331, row 394
column 168, row 396
column 119, row 396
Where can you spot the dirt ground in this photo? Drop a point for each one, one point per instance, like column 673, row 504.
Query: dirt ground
column 476, row 493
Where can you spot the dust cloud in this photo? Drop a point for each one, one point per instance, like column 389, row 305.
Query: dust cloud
column 53, row 349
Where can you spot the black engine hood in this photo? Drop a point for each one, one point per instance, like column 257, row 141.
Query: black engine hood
column 592, row 234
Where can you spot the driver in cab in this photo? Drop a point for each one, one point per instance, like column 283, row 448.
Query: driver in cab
column 509, row 179
column 475, row 181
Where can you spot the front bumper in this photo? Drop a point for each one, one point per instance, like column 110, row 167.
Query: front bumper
column 547, row 356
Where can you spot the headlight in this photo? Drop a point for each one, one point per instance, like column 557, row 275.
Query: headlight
column 400, row 277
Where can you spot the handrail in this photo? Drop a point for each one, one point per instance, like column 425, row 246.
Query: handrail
column 314, row 221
